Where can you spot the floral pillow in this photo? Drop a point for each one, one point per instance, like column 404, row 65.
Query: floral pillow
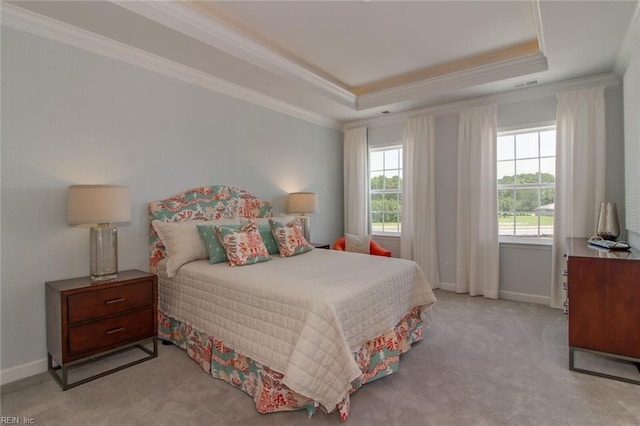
column 265, row 232
column 289, row 237
column 244, row 246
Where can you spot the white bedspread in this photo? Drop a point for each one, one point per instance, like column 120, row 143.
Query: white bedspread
column 302, row 316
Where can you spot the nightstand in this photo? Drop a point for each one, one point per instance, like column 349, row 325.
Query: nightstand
column 321, row 245
column 87, row 321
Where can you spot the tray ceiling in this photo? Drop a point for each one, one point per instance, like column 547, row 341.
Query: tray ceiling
column 350, row 60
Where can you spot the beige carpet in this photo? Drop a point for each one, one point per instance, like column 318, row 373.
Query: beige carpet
column 483, row 362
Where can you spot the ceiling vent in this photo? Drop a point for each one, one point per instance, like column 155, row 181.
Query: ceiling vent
column 522, row 84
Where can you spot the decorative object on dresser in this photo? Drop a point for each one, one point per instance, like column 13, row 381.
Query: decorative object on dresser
column 604, row 295
column 100, row 205
column 608, row 226
column 87, row 321
column 303, row 203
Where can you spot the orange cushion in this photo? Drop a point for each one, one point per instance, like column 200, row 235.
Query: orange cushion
column 374, row 248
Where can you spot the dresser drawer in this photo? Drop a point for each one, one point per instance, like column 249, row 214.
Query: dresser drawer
column 94, row 304
column 111, row 332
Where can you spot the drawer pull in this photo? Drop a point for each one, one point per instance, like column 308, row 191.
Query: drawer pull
column 118, row 300
column 115, row 330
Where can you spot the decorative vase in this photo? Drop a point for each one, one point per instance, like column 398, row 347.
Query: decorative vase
column 608, row 227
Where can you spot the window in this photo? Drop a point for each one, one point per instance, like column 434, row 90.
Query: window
column 526, row 183
column 385, row 189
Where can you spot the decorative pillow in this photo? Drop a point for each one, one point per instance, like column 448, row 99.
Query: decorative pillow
column 244, row 246
column 289, row 236
column 267, row 238
column 217, row 253
column 357, row 243
column 265, row 231
column 182, row 241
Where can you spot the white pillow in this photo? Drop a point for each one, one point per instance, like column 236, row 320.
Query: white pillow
column 182, row 241
column 357, row 243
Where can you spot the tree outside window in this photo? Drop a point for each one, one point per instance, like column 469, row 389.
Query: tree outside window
column 526, row 182
column 385, row 189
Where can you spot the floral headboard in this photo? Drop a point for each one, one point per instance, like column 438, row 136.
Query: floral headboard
column 203, row 203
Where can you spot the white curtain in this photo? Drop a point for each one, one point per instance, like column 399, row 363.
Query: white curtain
column 580, row 174
column 418, row 236
column 356, row 182
column 477, row 250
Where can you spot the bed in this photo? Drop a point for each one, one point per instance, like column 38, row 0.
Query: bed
column 296, row 333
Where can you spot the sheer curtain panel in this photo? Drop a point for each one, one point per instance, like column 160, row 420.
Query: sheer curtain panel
column 356, row 182
column 418, row 232
column 477, row 249
column 580, row 174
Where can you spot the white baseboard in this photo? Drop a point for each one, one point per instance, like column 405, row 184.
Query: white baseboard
column 23, row 371
column 448, row 286
column 508, row 295
column 524, row 297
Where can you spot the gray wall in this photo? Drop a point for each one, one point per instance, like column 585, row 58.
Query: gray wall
column 525, row 269
column 72, row 117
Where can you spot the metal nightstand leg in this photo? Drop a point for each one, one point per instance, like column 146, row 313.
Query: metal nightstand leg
column 62, row 378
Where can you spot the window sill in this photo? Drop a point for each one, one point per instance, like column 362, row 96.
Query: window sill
column 385, row 235
column 519, row 242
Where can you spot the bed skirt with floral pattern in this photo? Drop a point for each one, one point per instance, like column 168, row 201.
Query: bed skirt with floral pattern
column 379, row 357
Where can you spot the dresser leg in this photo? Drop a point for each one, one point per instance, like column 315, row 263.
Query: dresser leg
column 571, row 356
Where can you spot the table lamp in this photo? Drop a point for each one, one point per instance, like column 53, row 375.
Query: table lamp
column 100, row 205
column 303, row 203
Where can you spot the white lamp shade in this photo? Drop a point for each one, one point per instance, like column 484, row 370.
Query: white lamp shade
column 91, row 204
column 303, row 202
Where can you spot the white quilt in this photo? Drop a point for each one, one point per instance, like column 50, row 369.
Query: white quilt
column 302, row 316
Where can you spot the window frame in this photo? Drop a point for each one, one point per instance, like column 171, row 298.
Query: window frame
column 387, row 147
column 515, row 130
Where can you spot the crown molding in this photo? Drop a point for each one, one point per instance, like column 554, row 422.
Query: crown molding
column 510, row 96
column 537, row 19
column 42, row 26
column 510, row 53
column 477, row 75
column 630, row 44
column 215, row 32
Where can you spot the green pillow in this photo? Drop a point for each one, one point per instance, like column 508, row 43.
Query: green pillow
column 217, row 253
column 267, row 238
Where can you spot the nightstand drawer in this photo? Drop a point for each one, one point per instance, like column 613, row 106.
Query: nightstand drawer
column 94, row 304
column 111, row 332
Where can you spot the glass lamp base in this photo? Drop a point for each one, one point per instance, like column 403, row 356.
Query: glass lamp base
column 101, row 278
column 306, row 228
column 104, row 252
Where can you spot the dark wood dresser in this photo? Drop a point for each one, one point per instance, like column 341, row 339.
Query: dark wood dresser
column 604, row 303
column 88, row 320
